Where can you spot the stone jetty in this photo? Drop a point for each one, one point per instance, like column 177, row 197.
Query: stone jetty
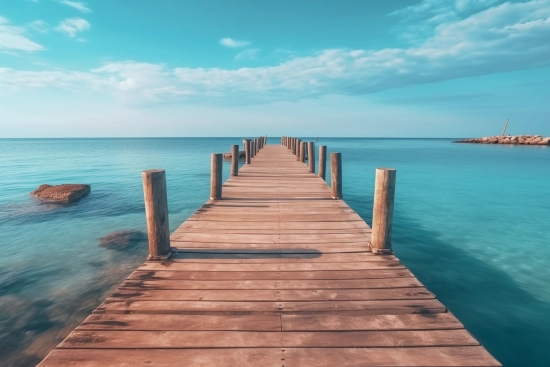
column 515, row 139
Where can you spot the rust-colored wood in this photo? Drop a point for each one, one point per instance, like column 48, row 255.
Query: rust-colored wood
column 234, row 160
column 216, row 176
column 276, row 274
column 382, row 214
column 336, row 175
column 247, row 143
column 156, row 212
column 323, row 161
column 311, row 156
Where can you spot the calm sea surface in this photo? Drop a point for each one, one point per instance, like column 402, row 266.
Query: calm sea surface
column 471, row 221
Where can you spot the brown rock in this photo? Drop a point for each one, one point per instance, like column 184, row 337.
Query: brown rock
column 242, row 154
column 66, row 193
column 121, row 240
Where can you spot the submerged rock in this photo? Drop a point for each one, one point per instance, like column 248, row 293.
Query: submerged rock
column 66, row 193
column 121, row 240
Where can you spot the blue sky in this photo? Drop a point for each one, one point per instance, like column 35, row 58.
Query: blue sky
column 396, row 68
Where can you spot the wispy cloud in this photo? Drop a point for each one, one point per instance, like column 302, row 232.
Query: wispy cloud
column 39, row 26
column 505, row 37
column 71, row 26
column 76, row 5
column 14, row 38
column 250, row 54
column 230, row 42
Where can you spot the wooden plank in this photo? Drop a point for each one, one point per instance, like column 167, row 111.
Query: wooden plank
column 172, row 273
column 272, row 295
column 254, row 339
column 274, row 284
column 273, row 357
column 444, row 321
column 181, row 322
column 311, row 257
column 390, row 307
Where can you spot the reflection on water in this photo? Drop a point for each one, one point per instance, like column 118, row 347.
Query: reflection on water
column 471, row 229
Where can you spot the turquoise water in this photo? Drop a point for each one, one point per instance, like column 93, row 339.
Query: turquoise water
column 471, row 221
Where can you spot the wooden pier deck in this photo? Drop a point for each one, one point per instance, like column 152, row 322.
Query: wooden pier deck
column 275, row 274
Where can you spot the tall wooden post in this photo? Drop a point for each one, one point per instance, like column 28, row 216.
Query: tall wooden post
column 298, row 149
column 303, row 147
column 234, row 160
column 382, row 214
column 252, row 148
column 311, row 156
column 216, row 176
column 322, row 161
column 336, row 175
column 294, row 146
column 156, row 212
column 247, row 153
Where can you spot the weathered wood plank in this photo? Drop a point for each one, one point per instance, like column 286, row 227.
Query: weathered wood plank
column 255, row 339
column 274, row 357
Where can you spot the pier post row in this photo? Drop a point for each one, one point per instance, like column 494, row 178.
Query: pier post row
column 156, row 213
column 322, row 161
column 336, row 175
column 311, row 156
column 234, row 160
column 216, row 176
column 246, row 143
column 382, row 214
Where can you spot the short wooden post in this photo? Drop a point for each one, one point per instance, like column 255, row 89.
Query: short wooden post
column 216, row 176
column 252, row 148
column 247, row 153
column 234, row 160
column 303, row 147
column 311, row 156
column 156, row 212
column 322, row 161
column 257, row 145
column 336, row 175
column 294, row 146
column 382, row 214
column 298, row 149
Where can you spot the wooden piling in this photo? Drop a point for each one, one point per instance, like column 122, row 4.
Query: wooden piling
column 311, row 156
column 216, row 176
column 298, row 149
column 303, row 147
column 336, row 175
column 234, row 160
column 252, row 148
column 322, row 161
column 156, row 212
column 247, row 153
column 382, row 215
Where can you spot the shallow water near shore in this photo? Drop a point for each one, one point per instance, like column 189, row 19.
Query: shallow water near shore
column 471, row 222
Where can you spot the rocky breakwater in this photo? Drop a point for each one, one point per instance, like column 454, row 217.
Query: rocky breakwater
column 516, row 139
column 64, row 194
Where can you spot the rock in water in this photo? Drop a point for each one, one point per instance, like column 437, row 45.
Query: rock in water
column 66, row 193
column 121, row 240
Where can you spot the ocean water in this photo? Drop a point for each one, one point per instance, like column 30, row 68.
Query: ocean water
column 471, row 221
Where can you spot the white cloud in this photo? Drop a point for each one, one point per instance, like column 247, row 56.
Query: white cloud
column 229, row 42
column 507, row 37
column 13, row 38
column 71, row 26
column 76, row 5
column 39, row 26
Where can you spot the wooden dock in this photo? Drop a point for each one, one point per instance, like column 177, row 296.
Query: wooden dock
column 277, row 273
